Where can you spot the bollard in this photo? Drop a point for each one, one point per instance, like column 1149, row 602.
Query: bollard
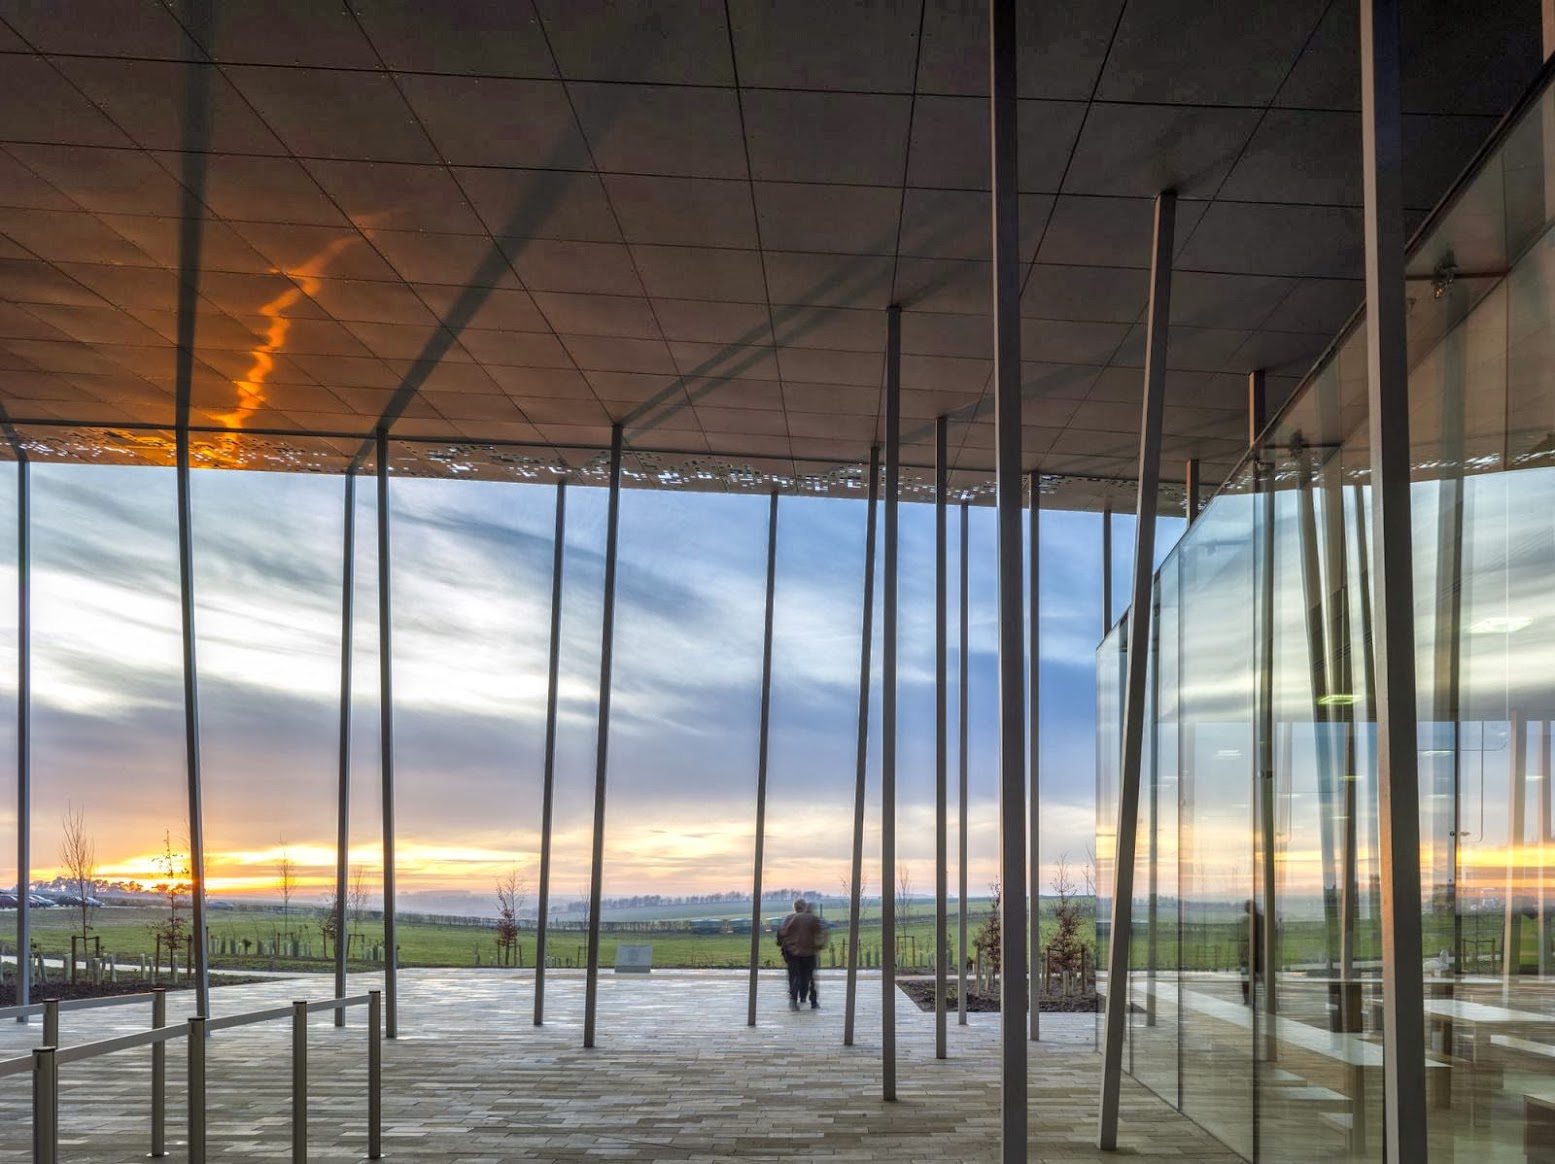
column 197, row 1090
column 374, row 1074
column 51, row 1022
column 45, row 1106
column 299, row 1082
column 159, row 1075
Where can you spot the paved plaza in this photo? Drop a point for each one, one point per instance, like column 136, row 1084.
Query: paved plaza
column 676, row 1076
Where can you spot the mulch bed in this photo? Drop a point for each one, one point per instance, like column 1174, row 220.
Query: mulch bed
column 921, row 991
column 70, row 991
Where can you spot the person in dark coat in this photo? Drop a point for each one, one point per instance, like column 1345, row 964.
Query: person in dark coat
column 802, row 937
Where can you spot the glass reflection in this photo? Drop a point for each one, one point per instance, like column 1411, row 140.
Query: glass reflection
column 1283, row 1056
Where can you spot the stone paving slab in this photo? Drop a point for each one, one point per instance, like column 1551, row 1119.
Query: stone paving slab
column 676, row 1076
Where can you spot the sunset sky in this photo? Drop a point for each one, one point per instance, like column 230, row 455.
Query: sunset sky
column 472, row 590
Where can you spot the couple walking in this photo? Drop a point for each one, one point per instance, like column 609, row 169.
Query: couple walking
column 801, row 937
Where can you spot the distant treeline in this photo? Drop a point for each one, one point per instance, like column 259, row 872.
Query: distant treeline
column 732, row 897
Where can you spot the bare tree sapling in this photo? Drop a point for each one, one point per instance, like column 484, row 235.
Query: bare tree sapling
column 78, row 856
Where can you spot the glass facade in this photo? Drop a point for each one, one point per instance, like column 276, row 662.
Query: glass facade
column 1256, row 962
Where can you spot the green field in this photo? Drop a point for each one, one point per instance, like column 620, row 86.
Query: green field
column 126, row 932
column 1217, row 942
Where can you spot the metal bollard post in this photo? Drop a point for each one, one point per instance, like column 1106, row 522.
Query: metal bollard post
column 375, row 1074
column 299, row 1082
column 159, row 1076
column 45, row 1106
column 197, row 1089
column 51, row 1022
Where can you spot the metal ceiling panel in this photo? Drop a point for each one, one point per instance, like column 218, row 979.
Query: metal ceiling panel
column 522, row 223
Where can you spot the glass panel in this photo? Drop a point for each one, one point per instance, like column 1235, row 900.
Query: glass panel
column 1215, row 739
column 1110, row 662
column 1155, row 1031
column 1482, row 428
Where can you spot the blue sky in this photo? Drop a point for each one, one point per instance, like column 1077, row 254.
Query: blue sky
column 472, row 567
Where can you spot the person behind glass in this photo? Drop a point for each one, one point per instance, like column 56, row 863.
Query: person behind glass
column 801, row 937
column 1252, row 950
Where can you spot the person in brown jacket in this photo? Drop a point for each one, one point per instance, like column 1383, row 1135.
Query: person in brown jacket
column 801, row 937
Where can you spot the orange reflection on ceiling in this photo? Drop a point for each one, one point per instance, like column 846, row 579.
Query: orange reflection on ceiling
column 251, row 389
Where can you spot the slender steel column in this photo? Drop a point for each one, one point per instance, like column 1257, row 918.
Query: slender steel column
column 963, row 732
column 1446, row 688
column 343, row 806
column 1007, row 272
column 893, row 473
column 201, row 967
column 1446, row 779
column 391, row 950
column 861, row 767
column 548, row 791
column 941, row 731
column 1342, row 684
column 1267, row 788
column 1138, row 654
column 601, row 756
column 1191, row 489
column 1034, row 702
column 1547, row 45
column 195, row 135
column 1546, row 801
column 1517, row 831
column 1335, row 601
column 1153, row 870
column 1106, row 568
column 761, row 755
column 23, row 729
column 1322, row 707
column 1363, row 582
column 1388, row 409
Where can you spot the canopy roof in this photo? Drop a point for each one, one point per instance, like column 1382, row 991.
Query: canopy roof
column 518, row 222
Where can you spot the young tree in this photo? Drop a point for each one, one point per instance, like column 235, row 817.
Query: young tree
column 903, row 904
column 1068, row 950
column 78, row 855
column 987, row 940
column 863, row 889
column 286, row 882
column 173, row 884
column 329, row 920
column 356, row 904
column 511, row 893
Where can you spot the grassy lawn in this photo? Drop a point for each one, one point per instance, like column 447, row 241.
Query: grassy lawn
column 1216, row 943
column 126, row 932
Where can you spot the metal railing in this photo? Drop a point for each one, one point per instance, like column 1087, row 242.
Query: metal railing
column 50, row 1009
column 45, row 1061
